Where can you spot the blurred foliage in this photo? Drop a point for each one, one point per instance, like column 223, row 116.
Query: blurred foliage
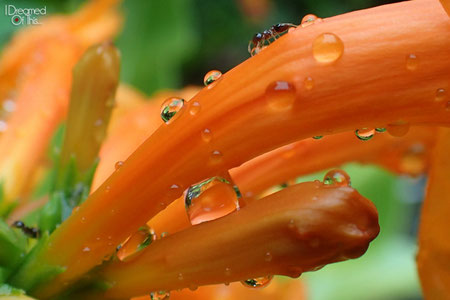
column 173, row 43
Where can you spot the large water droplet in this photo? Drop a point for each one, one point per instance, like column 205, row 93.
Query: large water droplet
column 398, row 129
column 364, row 134
column 170, row 108
column 161, row 295
column 336, row 177
column 309, row 19
column 257, row 282
column 412, row 62
column 327, row 48
column 211, row 77
column 280, row 95
column 210, row 199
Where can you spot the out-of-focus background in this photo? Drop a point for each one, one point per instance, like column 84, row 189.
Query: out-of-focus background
column 173, row 43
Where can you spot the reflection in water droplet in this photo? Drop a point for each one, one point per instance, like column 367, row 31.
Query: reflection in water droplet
column 211, row 77
column 161, row 295
column 380, row 130
column 280, row 95
column 206, row 135
column 210, row 199
column 118, row 165
column 317, row 137
column 308, row 83
column 257, row 282
column 364, row 134
column 412, row 62
column 136, row 242
column 337, row 177
column 327, row 48
column 308, row 20
column 170, row 108
column 440, row 95
column 398, row 129
column 194, row 108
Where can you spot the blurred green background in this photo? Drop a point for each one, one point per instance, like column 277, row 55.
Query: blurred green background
column 173, row 43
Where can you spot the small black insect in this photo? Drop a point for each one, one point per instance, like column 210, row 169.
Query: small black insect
column 260, row 39
column 31, row 232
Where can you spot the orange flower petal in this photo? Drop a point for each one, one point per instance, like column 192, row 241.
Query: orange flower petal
column 434, row 244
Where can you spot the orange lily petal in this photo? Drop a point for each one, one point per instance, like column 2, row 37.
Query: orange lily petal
column 434, row 245
column 371, row 84
column 298, row 229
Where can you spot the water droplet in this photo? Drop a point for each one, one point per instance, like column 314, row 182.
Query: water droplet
column 291, row 224
column 308, row 83
column 180, row 277
column 210, row 199
column 164, row 234
column 364, row 134
column 280, row 95
column 161, row 295
column 118, row 165
column 98, row 123
column 211, row 77
column 227, row 271
column 135, row 243
column 194, row 108
column 337, row 177
column 257, row 282
column 206, row 135
column 317, row 137
column 216, row 156
column 174, row 191
column 309, row 19
column 193, row 287
column 170, row 108
column 268, row 257
column 398, row 129
column 440, row 95
column 83, row 219
column 327, row 48
column 380, row 129
column 412, row 62
column 107, row 189
column 86, row 249
column 3, row 126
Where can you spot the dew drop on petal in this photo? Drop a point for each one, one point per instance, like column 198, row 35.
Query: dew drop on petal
column 206, row 135
column 210, row 199
column 280, row 95
column 268, row 257
column 336, row 177
column 327, row 48
column 216, row 156
column 211, row 77
column 86, row 249
column 136, row 242
column 364, row 134
column 161, row 295
column 380, row 129
column 308, row 83
column 258, row 282
column 227, row 271
column 170, row 108
column 398, row 129
column 412, row 62
column 118, row 165
column 194, row 108
column 308, row 20
column 440, row 95
column 317, row 137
